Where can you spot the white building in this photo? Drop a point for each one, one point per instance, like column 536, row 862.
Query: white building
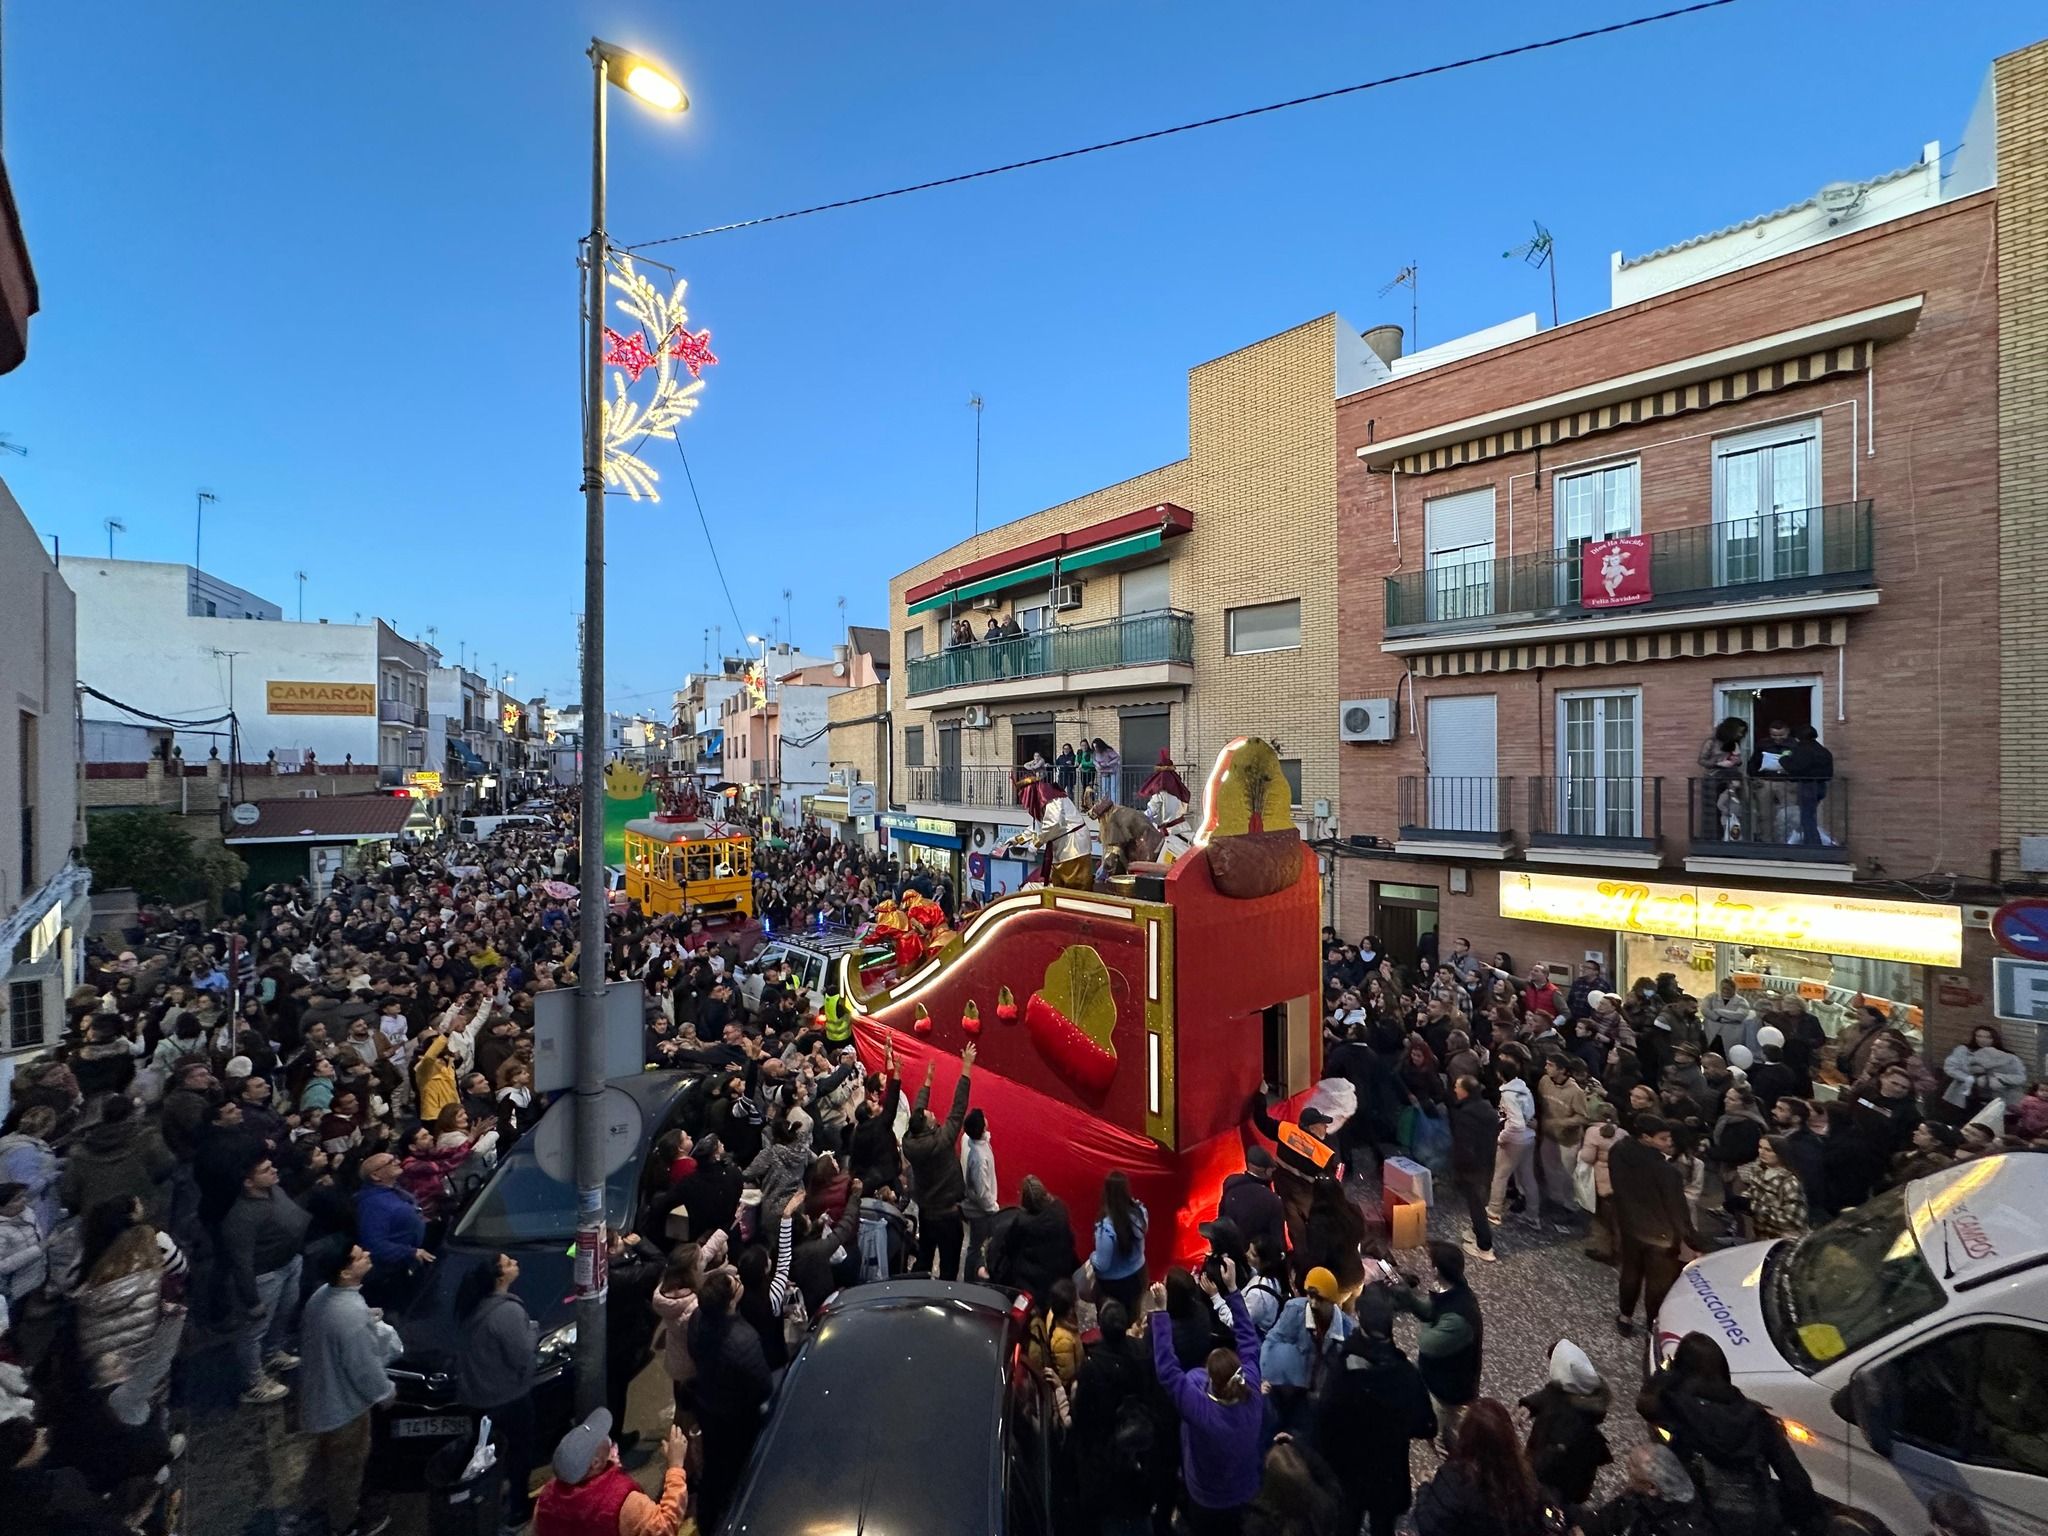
column 175, row 641
column 45, row 903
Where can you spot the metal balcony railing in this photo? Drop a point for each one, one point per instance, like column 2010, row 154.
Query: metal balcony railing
column 398, row 712
column 1145, row 639
column 1595, row 811
column 1816, row 549
column 992, row 785
column 1457, row 808
column 1805, row 820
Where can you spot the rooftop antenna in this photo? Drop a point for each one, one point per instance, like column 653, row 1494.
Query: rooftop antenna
column 789, row 616
column 1409, row 277
column 1538, row 250
column 707, row 647
column 433, row 634
column 113, row 525
column 8, row 445
column 300, row 578
column 974, row 401
column 841, row 602
column 200, row 498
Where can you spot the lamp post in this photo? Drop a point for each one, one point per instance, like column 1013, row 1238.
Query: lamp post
column 610, row 65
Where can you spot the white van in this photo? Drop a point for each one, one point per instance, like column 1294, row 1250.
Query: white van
column 1904, row 1345
column 481, row 827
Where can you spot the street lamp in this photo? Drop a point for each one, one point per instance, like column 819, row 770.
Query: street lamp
column 640, row 77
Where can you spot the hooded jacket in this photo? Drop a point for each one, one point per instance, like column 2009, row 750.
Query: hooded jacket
column 933, row 1165
column 1219, row 1442
column 1751, row 1483
column 118, row 1160
column 1370, row 1406
column 1566, row 1447
column 495, row 1362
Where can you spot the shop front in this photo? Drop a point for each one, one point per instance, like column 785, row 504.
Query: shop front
column 1835, row 952
column 929, row 843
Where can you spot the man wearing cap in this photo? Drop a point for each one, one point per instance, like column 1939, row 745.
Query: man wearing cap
column 592, row 1495
column 1304, row 1346
column 1591, row 978
column 1249, row 1201
column 1302, row 1141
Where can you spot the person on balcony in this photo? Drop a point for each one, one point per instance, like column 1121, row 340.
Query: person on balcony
column 1724, row 789
column 1064, row 769
column 1770, row 785
column 963, row 633
column 1109, row 766
column 1810, row 766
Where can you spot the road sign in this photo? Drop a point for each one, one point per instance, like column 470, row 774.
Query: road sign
column 554, row 1139
column 245, row 815
column 2021, row 927
column 554, row 1035
column 2019, row 990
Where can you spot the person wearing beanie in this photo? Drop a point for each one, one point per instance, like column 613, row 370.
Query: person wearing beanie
column 1372, row 1403
column 591, row 1493
column 1302, row 1348
column 1566, row 1447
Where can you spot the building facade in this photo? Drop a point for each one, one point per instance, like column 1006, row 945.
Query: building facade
column 1767, row 491
column 45, row 894
column 1165, row 614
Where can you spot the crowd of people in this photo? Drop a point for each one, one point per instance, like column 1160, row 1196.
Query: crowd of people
column 248, row 1145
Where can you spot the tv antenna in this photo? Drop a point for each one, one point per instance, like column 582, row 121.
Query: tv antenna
column 974, row 402
column 200, row 498
column 1409, row 277
column 300, row 578
column 8, row 445
column 1539, row 250
column 113, row 525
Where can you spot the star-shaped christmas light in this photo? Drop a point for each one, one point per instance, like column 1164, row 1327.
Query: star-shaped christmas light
column 693, row 352
column 628, row 352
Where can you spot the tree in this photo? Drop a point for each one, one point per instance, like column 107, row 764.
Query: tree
column 149, row 852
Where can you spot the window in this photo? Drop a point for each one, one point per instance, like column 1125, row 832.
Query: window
column 913, row 746
column 1598, row 757
column 1458, row 541
column 1463, row 763
column 31, row 778
column 1975, row 1396
column 1849, row 1283
column 913, row 643
column 1594, row 504
column 1290, row 769
column 1766, row 485
column 1145, row 590
column 1263, row 627
column 24, row 1015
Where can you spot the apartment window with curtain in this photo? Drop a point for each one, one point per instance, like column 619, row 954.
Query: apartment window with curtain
column 25, row 1024
column 1263, row 627
column 913, row 643
column 1290, row 768
column 1458, row 554
column 1591, row 505
column 1599, row 762
column 1766, row 487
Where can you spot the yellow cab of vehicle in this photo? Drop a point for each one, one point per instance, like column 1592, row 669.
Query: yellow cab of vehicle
column 689, row 868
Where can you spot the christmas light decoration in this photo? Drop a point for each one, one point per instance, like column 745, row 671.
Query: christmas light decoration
column 659, row 340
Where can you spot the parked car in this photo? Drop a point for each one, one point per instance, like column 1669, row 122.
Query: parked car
column 949, row 1360
column 482, row 827
column 528, row 1212
column 1904, row 1345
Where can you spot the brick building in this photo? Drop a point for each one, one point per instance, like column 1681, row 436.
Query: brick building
column 1169, row 612
column 1765, row 485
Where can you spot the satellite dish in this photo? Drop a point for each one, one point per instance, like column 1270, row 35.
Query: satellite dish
column 1841, row 198
column 839, row 669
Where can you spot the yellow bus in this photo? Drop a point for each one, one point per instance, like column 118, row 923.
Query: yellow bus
column 689, row 868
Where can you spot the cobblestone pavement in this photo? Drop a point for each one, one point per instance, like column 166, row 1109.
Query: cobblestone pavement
column 245, row 1471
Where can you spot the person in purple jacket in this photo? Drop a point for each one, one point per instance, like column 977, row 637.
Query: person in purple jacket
column 1220, row 1412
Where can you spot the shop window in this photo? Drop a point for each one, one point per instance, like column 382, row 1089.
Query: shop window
column 24, row 1015
column 913, row 746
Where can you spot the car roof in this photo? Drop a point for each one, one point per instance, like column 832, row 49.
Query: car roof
column 1984, row 1217
column 937, row 1354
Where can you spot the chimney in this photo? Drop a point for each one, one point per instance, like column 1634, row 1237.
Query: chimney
column 1385, row 340
column 842, row 655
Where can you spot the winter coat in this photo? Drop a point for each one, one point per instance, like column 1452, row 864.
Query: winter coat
column 1451, row 1504
column 1475, row 1135
column 1562, row 1107
column 1451, row 1347
column 115, row 1320
column 1595, row 1148
column 1219, row 1442
column 1750, row 1482
column 1035, row 1249
column 1112, row 1261
column 778, row 1170
column 711, row 1193
column 1287, row 1356
column 934, row 1168
column 1736, row 1137
column 1055, row 1346
column 1369, row 1408
column 1649, row 1197
column 1257, row 1210
column 24, row 1263
column 732, row 1372
column 1978, row 1076
column 1777, row 1202
column 675, row 1309
column 1724, row 1019
column 1566, row 1447
column 494, row 1364
column 118, row 1160
column 978, row 1173
column 29, row 1160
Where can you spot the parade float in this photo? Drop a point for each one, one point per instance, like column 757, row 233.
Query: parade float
column 683, row 860
column 1119, row 1030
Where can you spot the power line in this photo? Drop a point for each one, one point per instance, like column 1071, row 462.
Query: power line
column 705, row 523
column 1207, row 122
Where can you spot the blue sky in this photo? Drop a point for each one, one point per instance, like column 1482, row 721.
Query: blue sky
column 319, row 258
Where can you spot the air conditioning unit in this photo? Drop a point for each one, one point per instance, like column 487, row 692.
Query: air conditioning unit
column 1064, row 597
column 987, row 604
column 1365, row 720
column 977, row 717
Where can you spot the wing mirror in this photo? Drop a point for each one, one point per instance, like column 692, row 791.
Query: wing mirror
column 1865, row 1403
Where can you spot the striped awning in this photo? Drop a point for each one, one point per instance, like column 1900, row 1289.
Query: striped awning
column 1851, row 357
column 1037, row 571
column 1116, row 549
column 1614, row 650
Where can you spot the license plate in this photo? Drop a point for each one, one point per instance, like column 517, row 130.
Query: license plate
column 433, row 1427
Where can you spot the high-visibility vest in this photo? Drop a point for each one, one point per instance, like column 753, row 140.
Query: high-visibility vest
column 838, row 1021
column 1320, row 1154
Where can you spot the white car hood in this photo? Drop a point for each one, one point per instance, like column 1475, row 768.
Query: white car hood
column 1721, row 1296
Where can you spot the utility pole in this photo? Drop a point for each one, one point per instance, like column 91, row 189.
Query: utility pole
column 201, row 498
column 300, row 578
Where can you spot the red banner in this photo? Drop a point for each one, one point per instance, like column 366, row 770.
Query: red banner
column 1615, row 573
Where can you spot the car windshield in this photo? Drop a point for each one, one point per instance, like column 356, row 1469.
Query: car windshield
column 521, row 1204
column 1851, row 1282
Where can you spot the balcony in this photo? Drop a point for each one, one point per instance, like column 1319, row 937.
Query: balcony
column 1468, row 814
column 1611, row 820
column 1144, row 650
column 398, row 712
column 1800, row 823
column 992, row 787
column 1779, row 554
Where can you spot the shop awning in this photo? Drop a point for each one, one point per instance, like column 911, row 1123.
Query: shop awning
column 464, row 756
column 1036, row 559
column 1039, row 570
column 1102, row 554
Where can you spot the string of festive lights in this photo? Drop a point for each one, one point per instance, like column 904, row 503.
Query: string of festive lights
column 1406, row 75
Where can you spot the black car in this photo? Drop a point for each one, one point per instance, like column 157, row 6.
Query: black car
column 522, row 1211
column 960, row 1435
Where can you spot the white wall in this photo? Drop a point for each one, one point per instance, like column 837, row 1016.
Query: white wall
column 804, row 714
column 137, row 642
column 37, row 653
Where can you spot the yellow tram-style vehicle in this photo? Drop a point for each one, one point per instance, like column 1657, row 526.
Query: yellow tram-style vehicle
column 689, row 868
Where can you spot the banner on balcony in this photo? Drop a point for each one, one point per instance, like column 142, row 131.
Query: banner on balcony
column 1615, row 573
